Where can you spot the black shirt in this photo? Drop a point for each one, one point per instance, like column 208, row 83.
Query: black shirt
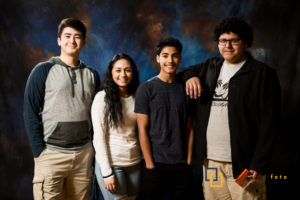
column 167, row 107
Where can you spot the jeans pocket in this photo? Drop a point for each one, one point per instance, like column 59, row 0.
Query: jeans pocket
column 38, row 193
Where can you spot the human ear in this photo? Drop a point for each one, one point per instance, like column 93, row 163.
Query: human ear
column 58, row 41
column 157, row 59
column 245, row 45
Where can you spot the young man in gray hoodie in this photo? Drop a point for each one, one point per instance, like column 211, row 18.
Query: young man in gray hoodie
column 57, row 101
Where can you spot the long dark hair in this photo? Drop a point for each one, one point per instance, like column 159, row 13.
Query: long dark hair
column 113, row 107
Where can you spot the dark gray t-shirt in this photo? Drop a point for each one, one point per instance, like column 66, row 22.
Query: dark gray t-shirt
column 167, row 107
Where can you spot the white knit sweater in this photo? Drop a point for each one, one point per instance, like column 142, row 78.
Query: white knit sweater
column 119, row 147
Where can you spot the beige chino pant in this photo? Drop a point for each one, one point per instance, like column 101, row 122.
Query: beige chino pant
column 63, row 176
column 218, row 184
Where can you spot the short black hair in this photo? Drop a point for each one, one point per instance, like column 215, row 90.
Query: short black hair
column 170, row 41
column 73, row 23
column 235, row 25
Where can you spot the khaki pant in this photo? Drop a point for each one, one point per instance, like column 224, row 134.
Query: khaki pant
column 63, row 176
column 218, row 183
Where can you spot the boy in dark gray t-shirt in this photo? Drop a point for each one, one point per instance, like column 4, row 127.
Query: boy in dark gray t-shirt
column 165, row 128
column 166, row 105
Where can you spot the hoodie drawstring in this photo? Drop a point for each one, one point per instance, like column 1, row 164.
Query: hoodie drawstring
column 82, row 85
column 71, row 82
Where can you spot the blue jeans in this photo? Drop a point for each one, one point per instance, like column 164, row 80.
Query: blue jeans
column 127, row 181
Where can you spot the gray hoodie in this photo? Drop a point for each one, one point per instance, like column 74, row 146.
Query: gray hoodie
column 57, row 104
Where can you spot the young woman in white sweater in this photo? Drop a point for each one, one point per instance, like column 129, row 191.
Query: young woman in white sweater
column 117, row 166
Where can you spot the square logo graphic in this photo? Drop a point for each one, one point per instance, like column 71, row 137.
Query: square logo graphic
column 214, row 177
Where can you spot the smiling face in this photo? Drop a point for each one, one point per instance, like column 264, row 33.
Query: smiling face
column 71, row 42
column 169, row 59
column 122, row 73
column 232, row 53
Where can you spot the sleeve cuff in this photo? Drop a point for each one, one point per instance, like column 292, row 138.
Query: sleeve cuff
column 108, row 176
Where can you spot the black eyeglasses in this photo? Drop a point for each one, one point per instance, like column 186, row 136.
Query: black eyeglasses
column 233, row 41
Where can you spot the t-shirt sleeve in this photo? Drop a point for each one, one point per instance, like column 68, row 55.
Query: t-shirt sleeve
column 142, row 100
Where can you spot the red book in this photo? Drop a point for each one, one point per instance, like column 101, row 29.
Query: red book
column 243, row 178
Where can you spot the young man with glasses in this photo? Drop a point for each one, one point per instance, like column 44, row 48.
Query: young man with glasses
column 57, row 102
column 237, row 115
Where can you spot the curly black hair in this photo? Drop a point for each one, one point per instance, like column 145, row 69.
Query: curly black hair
column 235, row 25
column 173, row 42
column 113, row 106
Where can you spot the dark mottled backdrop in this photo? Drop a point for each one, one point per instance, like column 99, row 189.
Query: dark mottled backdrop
column 28, row 32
